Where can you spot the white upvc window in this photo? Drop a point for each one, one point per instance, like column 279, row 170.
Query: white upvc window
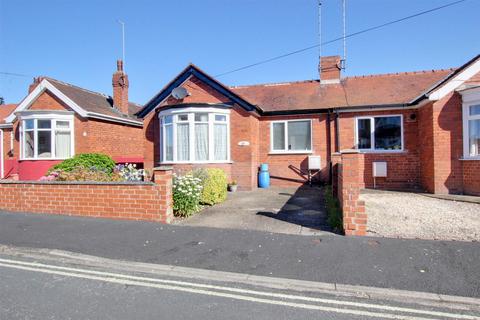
column 46, row 137
column 195, row 135
column 471, row 130
column 291, row 136
column 379, row 133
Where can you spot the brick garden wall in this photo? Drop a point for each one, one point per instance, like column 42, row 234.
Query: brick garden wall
column 150, row 201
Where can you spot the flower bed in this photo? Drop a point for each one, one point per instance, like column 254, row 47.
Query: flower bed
column 199, row 187
column 94, row 167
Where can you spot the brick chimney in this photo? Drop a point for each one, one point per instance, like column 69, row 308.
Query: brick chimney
column 329, row 69
column 34, row 84
column 120, row 88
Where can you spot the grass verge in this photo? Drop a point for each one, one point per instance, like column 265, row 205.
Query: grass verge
column 334, row 214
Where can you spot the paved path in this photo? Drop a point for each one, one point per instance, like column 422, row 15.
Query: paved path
column 420, row 265
column 280, row 210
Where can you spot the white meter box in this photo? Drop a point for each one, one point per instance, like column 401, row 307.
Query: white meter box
column 314, row 163
column 379, row 169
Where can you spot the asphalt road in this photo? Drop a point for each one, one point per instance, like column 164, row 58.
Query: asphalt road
column 27, row 295
column 419, row 265
column 46, row 286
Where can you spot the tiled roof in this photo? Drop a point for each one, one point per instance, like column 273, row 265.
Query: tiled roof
column 372, row 90
column 93, row 101
column 5, row 111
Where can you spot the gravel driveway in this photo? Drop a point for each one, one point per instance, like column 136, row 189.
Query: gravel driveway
column 410, row 215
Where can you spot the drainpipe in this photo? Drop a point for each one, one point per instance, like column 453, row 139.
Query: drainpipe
column 329, row 148
column 337, row 132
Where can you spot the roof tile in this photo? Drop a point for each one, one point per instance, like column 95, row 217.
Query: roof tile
column 370, row 90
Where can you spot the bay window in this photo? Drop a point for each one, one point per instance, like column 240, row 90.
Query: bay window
column 379, row 133
column 195, row 135
column 46, row 138
column 471, row 130
column 291, row 136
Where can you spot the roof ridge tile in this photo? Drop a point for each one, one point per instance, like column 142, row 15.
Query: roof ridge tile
column 389, row 74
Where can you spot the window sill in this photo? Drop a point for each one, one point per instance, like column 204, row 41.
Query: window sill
column 43, row 159
column 477, row 158
column 289, row 152
column 382, row 151
column 194, row 162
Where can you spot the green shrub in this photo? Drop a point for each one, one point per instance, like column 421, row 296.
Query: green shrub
column 84, row 174
column 201, row 174
column 96, row 161
column 187, row 191
column 214, row 186
column 334, row 214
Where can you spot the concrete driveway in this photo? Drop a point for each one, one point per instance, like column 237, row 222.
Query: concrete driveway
column 278, row 210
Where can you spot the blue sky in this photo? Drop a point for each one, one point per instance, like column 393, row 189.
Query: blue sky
column 79, row 41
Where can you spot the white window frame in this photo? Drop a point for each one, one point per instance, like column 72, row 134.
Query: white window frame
column 53, row 118
column 466, row 117
column 285, row 150
column 372, row 133
column 211, row 111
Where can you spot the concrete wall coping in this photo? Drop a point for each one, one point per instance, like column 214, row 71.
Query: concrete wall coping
column 349, row 151
column 112, row 183
column 163, row 168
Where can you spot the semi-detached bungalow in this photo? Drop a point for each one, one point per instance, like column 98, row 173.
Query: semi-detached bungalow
column 425, row 126
column 57, row 120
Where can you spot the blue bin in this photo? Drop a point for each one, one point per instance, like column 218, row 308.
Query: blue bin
column 263, row 176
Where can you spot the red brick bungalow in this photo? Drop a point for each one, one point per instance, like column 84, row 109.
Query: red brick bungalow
column 424, row 125
column 57, row 120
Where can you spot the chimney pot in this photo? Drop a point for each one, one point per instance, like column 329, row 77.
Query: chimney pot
column 329, row 69
column 119, row 65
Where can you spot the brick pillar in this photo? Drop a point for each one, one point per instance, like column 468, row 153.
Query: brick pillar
column 336, row 160
column 350, row 183
column 162, row 177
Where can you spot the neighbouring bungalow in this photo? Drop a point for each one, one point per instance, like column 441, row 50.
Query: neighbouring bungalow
column 57, row 120
column 422, row 128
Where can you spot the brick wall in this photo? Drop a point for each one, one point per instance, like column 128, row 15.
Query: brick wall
column 128, row 201
column 471, row 177
column 447, row 144
column 425, row 139
column 284, row 167
column 350, row 173
column 403, row 168
column 9, row 162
